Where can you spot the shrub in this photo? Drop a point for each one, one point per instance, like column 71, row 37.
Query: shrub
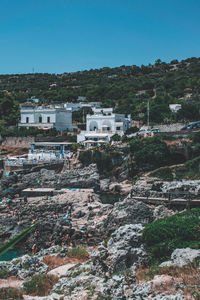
column 10, row 293
column 178, row 231
column 116, row 137
column 4, row 273
column 190, row 170
column 150, row 153
column 105, row 242
column 163, row 174
column 131, row 130
column 40, row 285
column 79, row 252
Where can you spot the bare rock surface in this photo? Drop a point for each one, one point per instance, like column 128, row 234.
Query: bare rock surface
column 182, row 257
column 124, row 250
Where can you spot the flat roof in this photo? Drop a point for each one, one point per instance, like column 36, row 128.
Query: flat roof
column 50, row 143
column 96, row 134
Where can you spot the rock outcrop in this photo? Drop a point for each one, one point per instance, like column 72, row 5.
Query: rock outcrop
column 87, row 177
column 124, row 250
column 181, row 257
column 156, row 188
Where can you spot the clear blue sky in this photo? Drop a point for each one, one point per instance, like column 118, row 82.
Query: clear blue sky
column 59, row 36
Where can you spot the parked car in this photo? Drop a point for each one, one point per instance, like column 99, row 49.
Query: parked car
column 143, row 131
column 155, row 130
column 191, row 126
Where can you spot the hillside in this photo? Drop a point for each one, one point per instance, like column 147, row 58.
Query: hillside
column 126, row 88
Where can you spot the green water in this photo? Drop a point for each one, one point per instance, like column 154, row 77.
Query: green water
column 10, row 254
column 111, row 198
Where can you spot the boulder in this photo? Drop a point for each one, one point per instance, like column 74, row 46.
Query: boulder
column 129, row 211
column 181, row 257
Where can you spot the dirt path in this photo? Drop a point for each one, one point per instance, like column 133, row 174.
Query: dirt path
column 10, row 282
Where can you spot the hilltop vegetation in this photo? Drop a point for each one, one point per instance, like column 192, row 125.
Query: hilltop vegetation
column 126, row 88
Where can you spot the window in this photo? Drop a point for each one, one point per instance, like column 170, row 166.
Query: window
column 118, row 128
column 27, row 119
column 40, row 119
column 48, row 119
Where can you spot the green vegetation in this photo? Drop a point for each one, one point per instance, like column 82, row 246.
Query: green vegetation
column 4, row 273
column 10, row 293
column 78, row 252
column 105, row 242
column 116, row 137
column 164, row 173
column 77, row 273
column 105, row 157
column 126, row 88
column 91, row 292
column 23, row 132
column 40, row 285
column 12, row 242
column 190, row 170
column 150, row 153
column 178, row 231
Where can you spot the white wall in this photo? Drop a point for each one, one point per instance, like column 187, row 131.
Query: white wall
column 63, row 120
column 100, row 120
column 30, row 115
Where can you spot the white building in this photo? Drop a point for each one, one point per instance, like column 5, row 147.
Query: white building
column 46, row 117
column 78, row 106
column 175, row 107
column 102, row 125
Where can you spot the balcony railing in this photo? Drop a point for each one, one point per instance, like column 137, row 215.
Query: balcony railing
column 42, row 125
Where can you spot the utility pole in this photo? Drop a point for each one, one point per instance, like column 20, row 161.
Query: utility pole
column 148, row 114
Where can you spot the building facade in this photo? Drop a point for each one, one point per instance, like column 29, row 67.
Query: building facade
column 102, row 125
column 46, row 117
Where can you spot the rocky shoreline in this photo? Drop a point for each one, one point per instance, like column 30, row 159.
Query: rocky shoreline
column 112, row 246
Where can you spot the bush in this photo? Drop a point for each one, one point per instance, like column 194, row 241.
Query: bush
column 150, row 153
column 178, row 231
column 4, row 273
column 10, row 293
column 40, row 285
column 190, row 170
column 163, row 174
column 132, row 130
column 79, row 252
column 116, row 137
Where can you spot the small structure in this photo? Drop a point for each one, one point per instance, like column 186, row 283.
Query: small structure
column 102, row 125
column 175, row 107
column 40, row 153
column 49, row 151
column 46, row 117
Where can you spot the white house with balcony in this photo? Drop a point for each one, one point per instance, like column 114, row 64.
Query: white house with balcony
column 46, row 117
column 102, row 125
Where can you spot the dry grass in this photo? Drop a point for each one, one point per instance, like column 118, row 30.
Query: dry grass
column 54, row 261
column 188, row 275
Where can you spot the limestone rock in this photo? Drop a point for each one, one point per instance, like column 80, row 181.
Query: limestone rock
column 124, row 250
column 182, row 257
